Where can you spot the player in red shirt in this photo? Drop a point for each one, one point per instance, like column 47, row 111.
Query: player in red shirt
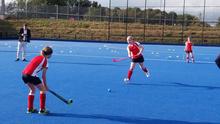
column 135, row 50
column 30, row 78
column 189, row 51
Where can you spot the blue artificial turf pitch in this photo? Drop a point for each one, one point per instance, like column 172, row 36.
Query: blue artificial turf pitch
column 175, row 93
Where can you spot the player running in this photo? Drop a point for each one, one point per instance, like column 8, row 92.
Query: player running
column 30, row 78
column 135, row 50
column 189, row 51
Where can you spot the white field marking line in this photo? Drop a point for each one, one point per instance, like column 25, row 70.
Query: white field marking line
column 75, row 45
column 110, row 57
column 166, row 52
column 107, row 57
column 163, row 51
column 165, row 60
column 86, row 56
column 112, row 47
column 59, row 46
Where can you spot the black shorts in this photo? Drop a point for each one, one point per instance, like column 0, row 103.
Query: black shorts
column 189, row 51
column 217, row 61
column 138, row 60
column 31, row 79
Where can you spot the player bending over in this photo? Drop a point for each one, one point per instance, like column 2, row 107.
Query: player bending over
column 135, row 50
column 189, row 51
column 30, row 78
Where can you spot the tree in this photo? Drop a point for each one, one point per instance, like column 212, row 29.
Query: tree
column 57, row 2
column 81, row 3
column 37, row 2
column 171, row 17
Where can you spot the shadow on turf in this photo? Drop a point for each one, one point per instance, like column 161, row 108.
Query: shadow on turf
column 85, row 63
column 132, row 120
column 176, row 84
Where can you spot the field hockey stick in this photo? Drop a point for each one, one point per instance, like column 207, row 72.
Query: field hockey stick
column 69, row 101
column 119, row 59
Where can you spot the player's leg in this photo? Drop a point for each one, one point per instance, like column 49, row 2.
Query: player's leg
column 187, row 57
column 146, row 71
column 192, row 57
column 130, row 71
column 42, row 99
column 18, row 51
column 24, row 51
column 30, row 107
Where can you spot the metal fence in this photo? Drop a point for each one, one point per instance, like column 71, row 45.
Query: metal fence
column 164, row 21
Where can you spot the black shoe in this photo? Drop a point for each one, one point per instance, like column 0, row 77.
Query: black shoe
column 24, row 60
column 17, row 59
column 30, row 111
column 43, row 111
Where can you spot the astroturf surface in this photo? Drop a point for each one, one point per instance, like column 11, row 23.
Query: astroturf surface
column 175, row 93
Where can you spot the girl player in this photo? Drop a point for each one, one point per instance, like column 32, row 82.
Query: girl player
column 30, row 78
column 135, row 53
column 188, row 50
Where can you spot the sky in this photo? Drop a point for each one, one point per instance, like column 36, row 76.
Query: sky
column 212, row 13
column 154, row 2
column 194, row 7
column 158, row 2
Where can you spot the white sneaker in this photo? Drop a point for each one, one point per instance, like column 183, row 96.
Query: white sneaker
column 126, row 80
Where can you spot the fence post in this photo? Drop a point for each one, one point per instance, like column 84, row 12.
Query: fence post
column 164, row 19
column 109, row 20
column 135, row 11
column 78, row 10
column 203, row 25
column 89, row 13
column 100, row 14
column 57, row 12
column 126, row 29
column 145, row 12
column 183, row 21
column 26, row 11
column 68, row 11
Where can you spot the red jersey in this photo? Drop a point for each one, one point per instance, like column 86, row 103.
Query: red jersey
column 134, row 48
column 188, row 46
column 36, row 65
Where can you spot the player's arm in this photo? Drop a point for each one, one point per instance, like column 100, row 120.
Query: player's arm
column 185, row 48
column 129, row 52
column 141, row 48
column 44, row 72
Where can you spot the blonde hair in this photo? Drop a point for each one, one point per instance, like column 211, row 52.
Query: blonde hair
column 129, row 38
column 47, row 50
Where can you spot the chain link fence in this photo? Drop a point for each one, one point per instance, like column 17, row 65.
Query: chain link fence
column 162, row 21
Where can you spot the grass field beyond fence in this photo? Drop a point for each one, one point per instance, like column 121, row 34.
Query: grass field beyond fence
column 114, row 31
